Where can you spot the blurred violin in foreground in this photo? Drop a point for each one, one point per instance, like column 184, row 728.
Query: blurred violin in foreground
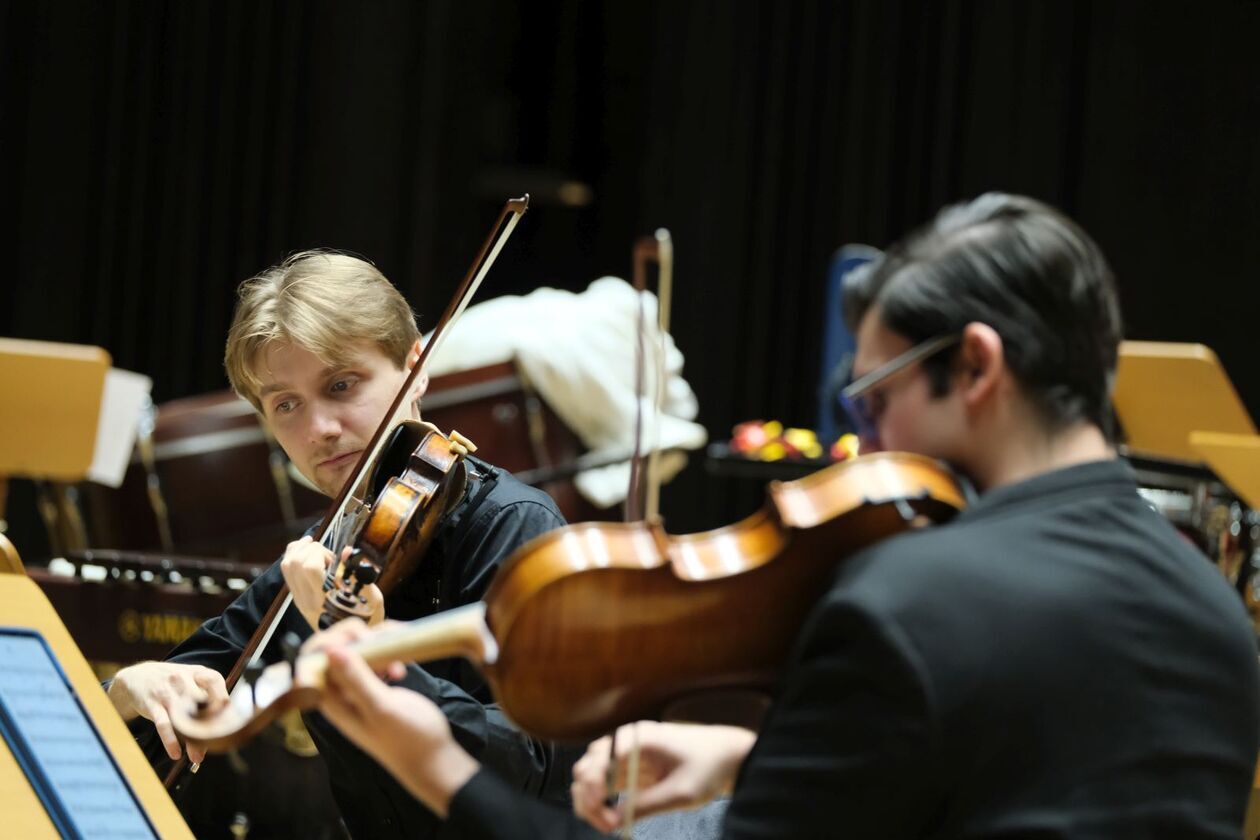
column 599, row 624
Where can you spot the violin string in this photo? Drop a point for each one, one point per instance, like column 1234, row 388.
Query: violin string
column 664, row 296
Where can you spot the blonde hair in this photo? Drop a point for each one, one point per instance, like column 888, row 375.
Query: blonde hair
column 321, row 301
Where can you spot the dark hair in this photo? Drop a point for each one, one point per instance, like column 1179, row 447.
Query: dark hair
column 1025, row 270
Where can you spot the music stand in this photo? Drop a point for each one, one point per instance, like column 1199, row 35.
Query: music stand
column 75, row 418
column 48, row 427
column 1165, row 391
column 31, row 797
column 1235, row 459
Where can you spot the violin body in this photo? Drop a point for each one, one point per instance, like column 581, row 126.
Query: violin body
column 418, row 479
column 601, row 624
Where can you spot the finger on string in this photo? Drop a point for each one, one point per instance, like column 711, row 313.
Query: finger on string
column 166, row 733
column 355, row 680
column 337, row 702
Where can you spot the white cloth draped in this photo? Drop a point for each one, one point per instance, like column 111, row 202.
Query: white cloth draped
column 578, row 352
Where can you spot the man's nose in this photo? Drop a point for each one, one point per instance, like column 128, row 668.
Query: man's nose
column 325, row 424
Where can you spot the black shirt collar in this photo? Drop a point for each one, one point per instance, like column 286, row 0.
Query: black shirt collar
column 1094, row 478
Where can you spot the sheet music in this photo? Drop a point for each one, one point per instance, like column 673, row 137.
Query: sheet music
column 38, row 707
column 124, row 397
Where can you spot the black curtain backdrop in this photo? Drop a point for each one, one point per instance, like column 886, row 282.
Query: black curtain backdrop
column 154, row 154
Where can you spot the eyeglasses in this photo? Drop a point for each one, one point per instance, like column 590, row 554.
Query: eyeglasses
column 854, row 397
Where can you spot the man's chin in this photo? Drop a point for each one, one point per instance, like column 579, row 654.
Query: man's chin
column 331, row 480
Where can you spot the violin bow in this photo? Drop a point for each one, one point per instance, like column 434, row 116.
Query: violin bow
column 664, row 257
column 644, row 493
column 508, row 218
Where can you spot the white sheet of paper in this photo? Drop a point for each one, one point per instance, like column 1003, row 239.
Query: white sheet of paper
column 123, row 400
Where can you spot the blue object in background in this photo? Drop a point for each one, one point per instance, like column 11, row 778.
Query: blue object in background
column 838, row 344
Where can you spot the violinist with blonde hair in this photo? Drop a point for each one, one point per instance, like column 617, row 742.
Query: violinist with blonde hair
column 320, row 345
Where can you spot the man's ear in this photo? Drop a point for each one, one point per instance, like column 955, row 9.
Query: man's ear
column 421, row 385
column 422, row 381
column 981, row 362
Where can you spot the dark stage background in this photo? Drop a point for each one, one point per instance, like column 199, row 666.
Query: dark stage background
column 154, row 154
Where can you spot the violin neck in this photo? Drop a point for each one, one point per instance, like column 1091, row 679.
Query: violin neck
column 458, row 632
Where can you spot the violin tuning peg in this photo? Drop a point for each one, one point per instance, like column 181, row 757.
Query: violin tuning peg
column 461, row 445
column 365, row 574
column 348, row 567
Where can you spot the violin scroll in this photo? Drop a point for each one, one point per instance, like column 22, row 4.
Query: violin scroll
column 267, row 693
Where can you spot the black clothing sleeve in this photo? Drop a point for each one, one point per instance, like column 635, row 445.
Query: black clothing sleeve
column 847, row 744
column 487, row 807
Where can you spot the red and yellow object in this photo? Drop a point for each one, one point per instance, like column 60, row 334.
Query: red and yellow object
column 770, row 441
column 845, row 447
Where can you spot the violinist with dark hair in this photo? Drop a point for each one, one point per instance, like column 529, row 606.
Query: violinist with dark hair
column 320, row 345
column 1054, row 662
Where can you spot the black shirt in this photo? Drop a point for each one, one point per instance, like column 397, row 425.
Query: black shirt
column 497, row 515
column 1055, row 663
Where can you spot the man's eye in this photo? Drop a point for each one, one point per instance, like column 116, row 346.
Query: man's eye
column 283, row 407
column 342, row 385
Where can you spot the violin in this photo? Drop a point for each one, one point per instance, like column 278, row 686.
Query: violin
column 599, row 624
column 407, row 479
column 416, row 482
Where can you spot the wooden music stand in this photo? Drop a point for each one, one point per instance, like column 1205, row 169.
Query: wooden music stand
column 25, row 815
column 1235, row 459
column 1166, row 391
column 53, row 394
column 70, row 417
